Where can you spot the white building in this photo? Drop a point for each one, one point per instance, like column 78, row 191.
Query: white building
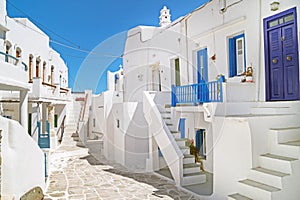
column 247, row 132
column 33, row 91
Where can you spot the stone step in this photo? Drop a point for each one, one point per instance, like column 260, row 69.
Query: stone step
column 293, row 143
column 257, row 190
column 185, row 150
column 166, row 114
column 80, row 144
column 168, row 121
column 188, row 159
column 191, row 168
column 176, row 134
column 267, row 176
column 287, row 134
column 180, row 142
column 272, row 110
column 237, row 196
column 7, row 197
column 285, row 149
column 276, row 163
column 193, row 179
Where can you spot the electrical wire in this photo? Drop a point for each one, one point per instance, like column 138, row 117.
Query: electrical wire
column 75, row 47
column 45, row 27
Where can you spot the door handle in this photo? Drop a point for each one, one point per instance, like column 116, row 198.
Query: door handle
column 274, row 61
column 289, row 58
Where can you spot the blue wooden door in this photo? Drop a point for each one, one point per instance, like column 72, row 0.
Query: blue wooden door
column 282, row 61
column 202, row 65
column 202, row 75
column 200, row 142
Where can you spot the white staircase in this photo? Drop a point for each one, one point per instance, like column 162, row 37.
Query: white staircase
column 191, row 171
column 278, row 173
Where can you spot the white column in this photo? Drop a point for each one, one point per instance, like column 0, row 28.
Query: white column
column 24, row 109
column 44, row 116
column 53, row 136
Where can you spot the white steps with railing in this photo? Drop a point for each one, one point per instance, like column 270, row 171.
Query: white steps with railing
column 191, row 171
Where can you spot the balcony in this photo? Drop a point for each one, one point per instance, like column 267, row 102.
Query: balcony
column 49, row 91
column 205, row 92
column 13, row 74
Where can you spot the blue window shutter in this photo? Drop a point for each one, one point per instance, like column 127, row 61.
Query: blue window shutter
column 232, row 57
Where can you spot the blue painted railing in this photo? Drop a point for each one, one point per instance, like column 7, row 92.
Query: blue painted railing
column 14, row 58
column 204, row 92
column 44, row 139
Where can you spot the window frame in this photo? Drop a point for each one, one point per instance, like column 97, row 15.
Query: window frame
column 233, row 54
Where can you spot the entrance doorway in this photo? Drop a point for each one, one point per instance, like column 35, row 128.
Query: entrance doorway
column 281, row 56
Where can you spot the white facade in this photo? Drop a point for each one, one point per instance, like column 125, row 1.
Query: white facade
column 34, row 91
column 245, row 134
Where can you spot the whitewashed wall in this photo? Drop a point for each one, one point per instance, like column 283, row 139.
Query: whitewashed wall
column 150, row 48
column 22, row 160
column 37, row 45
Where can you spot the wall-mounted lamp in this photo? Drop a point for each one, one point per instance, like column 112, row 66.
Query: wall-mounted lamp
column 274, row 6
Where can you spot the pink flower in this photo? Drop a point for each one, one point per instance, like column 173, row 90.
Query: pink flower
column 192, row 141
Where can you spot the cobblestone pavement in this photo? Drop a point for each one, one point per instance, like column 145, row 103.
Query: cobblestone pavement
column 74, row 174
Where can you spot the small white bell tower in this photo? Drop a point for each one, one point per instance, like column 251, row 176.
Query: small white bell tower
column 165, row 17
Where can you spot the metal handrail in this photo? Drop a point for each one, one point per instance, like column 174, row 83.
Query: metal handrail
column 14, row 58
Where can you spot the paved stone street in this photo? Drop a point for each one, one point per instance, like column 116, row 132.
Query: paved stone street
column 74, row 174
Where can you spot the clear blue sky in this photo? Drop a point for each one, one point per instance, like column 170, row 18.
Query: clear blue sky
column 88, row 23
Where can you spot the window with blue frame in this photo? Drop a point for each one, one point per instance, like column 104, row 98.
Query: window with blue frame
column 237, row 55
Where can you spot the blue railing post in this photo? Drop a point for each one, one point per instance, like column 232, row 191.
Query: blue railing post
column 173, row 96
column 203, row 92
column 221, row 90
column 45, row 160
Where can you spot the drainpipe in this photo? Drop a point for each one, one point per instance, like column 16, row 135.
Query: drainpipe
column 258, row 81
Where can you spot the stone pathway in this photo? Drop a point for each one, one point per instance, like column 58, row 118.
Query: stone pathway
column 74, row 174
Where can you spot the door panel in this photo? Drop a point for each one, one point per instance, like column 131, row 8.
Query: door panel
column 290, row 62
column 276, row 68
column 202, row 66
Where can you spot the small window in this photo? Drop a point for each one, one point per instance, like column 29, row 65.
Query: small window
column 94, row 122
column 237, row 56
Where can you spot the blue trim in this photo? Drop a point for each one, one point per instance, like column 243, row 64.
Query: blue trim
column 204, row 92
column 45, row 160
column 14, row 58
column 173, row 96
column 182, row 127
column 232, row 54
column 43, row 139
column 200, row 141
column 202, row 77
